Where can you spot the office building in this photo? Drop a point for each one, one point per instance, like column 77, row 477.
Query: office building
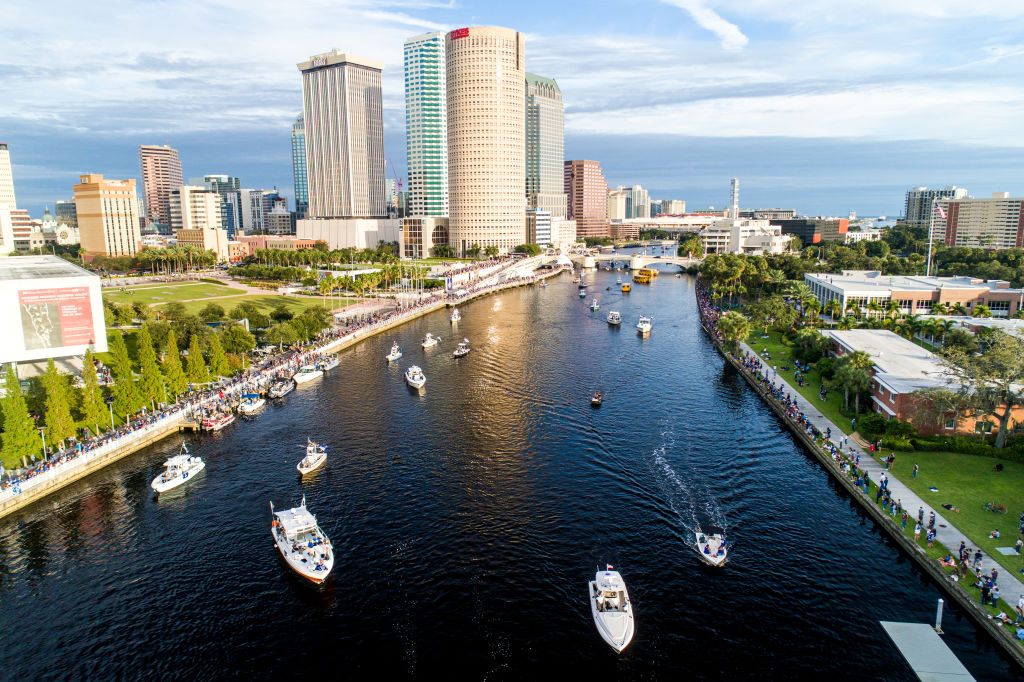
column 545, row 146
column 563, row 232
column 358, row 233
column 638, row 202
column 280, row 221
column 227, row 188
column 207, row 239
column 65, row 213
column 426, row 125
column 421, row 234
column 108, row 216
column 670, row 207
column 771, row 214
column 253, row 207
column 6, row 230
column 486, row 137
column 616, row 205
column 194, row 208
column 299, row 167
column 344, row 132
column 920, row 200
column 815, row 230
column 161, row 172
column 6, row 178
column 587, row 198
column 994, row 223
column 538, row 226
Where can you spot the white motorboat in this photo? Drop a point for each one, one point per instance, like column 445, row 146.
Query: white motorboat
column 644, row 325
column 430, row 340
column 307, row 373
column 576, row 280
column 678, row 275
column 414, row 377
column 316, row 455
column 614, row 317
column 304, row 547
column 712, row 548
column 178, row 470
column 251, row 402
column 462, row 349
column 612, row 610
column 594, row 305
column 583, row 293
column 395, row 353
column 216, row 421
column 280, row 388
column 619, row 280
column 456, row 315
column 330, row 362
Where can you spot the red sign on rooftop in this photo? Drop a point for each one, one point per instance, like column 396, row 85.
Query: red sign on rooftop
column 458, row 33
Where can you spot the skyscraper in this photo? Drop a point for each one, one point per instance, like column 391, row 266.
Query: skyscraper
column 426, row 124
column 6, row 178
column 227, row 187
column 299, row 168
column 65, row 212
column 108, row 216
column 161, row 172
column 486, row 86
column 344, row 131
column 918, row 207
column 587, row 193
column 545, row 146
column 195, row 208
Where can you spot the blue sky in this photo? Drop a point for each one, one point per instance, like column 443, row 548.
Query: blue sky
column 819, row 105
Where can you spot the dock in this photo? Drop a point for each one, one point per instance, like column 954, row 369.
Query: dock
column 926, row 653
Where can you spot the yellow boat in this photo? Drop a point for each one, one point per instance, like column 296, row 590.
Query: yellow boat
column 650, row 272
column 626, row 287
column 642, row 279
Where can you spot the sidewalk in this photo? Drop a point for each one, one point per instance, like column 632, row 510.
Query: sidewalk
column 1009, row 584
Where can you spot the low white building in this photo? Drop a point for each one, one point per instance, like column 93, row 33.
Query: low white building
column 563, row 233
column 751, row 237
column 358, row 233
column 852, row 237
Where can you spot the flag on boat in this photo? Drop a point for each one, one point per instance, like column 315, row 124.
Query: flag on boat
column 941, row 211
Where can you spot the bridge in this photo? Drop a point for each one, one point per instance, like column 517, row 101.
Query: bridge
column 635, row 261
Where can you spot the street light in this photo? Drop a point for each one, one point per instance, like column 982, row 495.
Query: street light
column 110, row 404
column 42, row 432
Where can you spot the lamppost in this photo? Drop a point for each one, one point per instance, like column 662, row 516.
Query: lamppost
column 110, row 404
column 42, row 432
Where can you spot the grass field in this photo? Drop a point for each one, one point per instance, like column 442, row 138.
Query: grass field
column 156, row 295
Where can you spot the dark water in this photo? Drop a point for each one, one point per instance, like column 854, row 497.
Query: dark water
column 468, row 519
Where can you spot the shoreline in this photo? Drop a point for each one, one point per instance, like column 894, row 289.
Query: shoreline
column 39, row 487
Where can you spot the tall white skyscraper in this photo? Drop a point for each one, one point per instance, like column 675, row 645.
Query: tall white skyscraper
column 545, row 145
column 344, row 124
column 426, row 125
column 6, row 178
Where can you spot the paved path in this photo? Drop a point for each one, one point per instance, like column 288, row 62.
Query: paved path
column 1009, row 585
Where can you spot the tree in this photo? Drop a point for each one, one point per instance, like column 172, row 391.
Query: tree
column 473, row 251
column 173, row 373
column 771, row 311
column 442, row 251
column 173, row 311
column 249, row 311
column 218, row 361
column 995, row 376
column 491, row 251
column 982, row 311
column 59, row 424
column 959, row 338
column 211, row 313
column 734, row 328
column 281, row 313
column 151, row 384
column 692, row 247
column 236, row 339
column 126, row 395
column 19, row 436
column 529, row 249
column 281, row 333
column 142, row 312
column 938, row 404
column 849, row 378
column 93, row 406
column 196, row 370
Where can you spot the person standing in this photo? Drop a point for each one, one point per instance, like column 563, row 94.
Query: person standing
column 917, row 532
column 915, row 471
column 986, row 589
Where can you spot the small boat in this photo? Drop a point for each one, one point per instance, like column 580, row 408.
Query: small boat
column 280, row 388
column 596, row 399
column 583, row 293
column 251, row 402
column 711, row 548
column 612, row 610
column 217, row 421
column 414, row 377
column 626, row 288
column 576, row 280
column 543, row 283
column 594, row 305
column 582, row 285
column 430, row 340
column 330, row 362
column 678, row 275
column 456, row 315
column 304, row 547
column 178, row 470
column 395, row 353
column 307, row 373
column 619, row 280
column 315, row 457
column 462, row 349
column 644, row 325
column 614, row 317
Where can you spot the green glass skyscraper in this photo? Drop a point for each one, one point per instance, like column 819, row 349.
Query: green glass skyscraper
column 299, row 168
column 545, row 145
column 426, row 125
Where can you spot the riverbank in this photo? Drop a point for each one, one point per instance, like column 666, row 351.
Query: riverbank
column 808, row 426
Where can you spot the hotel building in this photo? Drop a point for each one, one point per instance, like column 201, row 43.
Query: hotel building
column 108, row 216
column 587, row 194
column 994, row 223
column 426, row 124
column 161, row 173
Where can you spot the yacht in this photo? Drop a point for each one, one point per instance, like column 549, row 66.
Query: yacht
column 462, row 349
column 251, row 402
column 178, row 470
column 304, row 547
column 711, row 548
column 330, row 362
column 456, row 315
column 430, row 340
column 594, row 305
column 395, row 353
column 414, row 377
column 614, row 317
column 612, row 610
column 307, row 373
column 315, row 457
column 216, row 421
column 644, row 325
column 597, row 399
column 280, row 388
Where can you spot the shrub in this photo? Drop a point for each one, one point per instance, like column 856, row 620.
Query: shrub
column 826, row 367
column 213, row 281
column 899, row 444
column 894, row 427
column 871, row 426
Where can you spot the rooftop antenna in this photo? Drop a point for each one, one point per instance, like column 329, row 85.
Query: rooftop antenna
column 734, row 185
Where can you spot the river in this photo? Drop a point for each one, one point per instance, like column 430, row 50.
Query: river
column 467, row 520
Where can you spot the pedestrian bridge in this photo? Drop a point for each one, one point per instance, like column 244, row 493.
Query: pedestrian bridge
column 635, row 261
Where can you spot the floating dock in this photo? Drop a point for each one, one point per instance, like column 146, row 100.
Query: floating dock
column 926, row 653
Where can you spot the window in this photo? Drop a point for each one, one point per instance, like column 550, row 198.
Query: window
column 949, row 424
column 892, row 397
column 983, row 427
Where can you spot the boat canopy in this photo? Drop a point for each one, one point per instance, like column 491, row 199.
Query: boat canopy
column 177, row 461
column 295, row 521
column 610, row 581
column 250, row 396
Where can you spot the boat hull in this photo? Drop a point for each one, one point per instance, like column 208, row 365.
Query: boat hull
column 217, row 424
column 249, row 408
column 166, row 486
column 615, row 627
column 311, row 468
column 303, row 377
column 300, row 567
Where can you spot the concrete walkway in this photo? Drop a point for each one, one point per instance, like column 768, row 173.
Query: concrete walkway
column 1010, row 587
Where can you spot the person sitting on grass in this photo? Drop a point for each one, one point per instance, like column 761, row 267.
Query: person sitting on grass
column 1003, row 618
column 951, row 508
column 947, row 561
column 994, row 534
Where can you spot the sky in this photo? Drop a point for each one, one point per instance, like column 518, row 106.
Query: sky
column 823, row 106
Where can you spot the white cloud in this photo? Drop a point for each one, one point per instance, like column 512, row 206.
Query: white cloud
column 730, row 35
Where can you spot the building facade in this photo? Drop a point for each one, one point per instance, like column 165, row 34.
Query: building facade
column 6, row 178
column 616, row 205
column 160, row 169
column 280, row 221
column 301, row 184
column 227, row 188
column 195, row 207
column 65, row 213
column 344, row 130
column 207, row 239
column 253, row 207
column 587, row 198
column 421, row 234
column 426, row 124
column 994, row 223
column 638, row 201
column 815, row 230
column 538, row 227
column 108, row 216
column 545, row 146
column 486, row 137
column 671, row 207
column 919, row 201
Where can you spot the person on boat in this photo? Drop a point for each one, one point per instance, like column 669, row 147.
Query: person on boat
column 707, row 550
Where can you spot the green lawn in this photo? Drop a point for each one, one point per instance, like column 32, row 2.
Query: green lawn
column 267, row 302
column 156, row 295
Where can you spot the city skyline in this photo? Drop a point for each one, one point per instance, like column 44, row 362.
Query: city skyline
column 804, row 124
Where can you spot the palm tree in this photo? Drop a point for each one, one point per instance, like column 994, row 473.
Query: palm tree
column 940, row 308
column 853, row 309
column 893, row 309
column 813, row 309
column 958, row 309
column 982, row 311
column 874, row 307
column 833, row 308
